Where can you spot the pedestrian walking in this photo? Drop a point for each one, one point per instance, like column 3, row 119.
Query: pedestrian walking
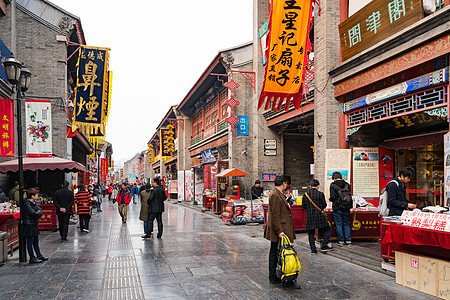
column 339, row 194
column 63, row 201
column 155, row 208
column 314, row 203
column 123, row 198
column 143, row 215
column 98, row 197
column 30, row 213
column 84, row 204
column 279, row 223
column 396, row 192
column 114, row 192
column 109, row 191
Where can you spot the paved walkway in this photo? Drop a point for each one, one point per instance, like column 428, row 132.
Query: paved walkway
column 199, row 257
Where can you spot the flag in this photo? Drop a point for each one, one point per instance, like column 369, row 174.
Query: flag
column 287, row 53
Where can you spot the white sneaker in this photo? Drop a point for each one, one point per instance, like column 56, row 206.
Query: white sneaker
column 85, row 230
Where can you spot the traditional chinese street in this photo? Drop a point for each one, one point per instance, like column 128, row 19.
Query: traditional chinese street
column 198, row 257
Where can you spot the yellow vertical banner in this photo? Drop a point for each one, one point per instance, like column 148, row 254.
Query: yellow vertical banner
column 287, row 53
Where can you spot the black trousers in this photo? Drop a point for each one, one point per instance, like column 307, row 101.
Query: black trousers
column 63, row 225
column 84, row 221
column 312, row 239
column 151, row 218
column 273, row 260
column 33, row 243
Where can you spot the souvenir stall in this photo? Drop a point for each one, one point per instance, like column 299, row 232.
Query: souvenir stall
column 234, row 208
column 9, row 223
column 46, row 173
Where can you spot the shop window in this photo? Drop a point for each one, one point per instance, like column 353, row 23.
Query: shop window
column 428, row 162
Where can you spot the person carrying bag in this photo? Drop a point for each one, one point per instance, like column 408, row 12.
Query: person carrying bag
column 314, row 203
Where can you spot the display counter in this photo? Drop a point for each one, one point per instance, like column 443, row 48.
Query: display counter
column 427, row 242
column 10, row 224
column 298, row 216
column 49, row 219
column 363, row 225
column 221, row 205
column 240, row 211
column 208, row 201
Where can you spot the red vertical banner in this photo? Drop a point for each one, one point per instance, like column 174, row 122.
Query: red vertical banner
column 6, row 128
column 103, row 169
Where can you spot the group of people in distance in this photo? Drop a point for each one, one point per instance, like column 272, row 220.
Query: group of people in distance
column 152, row 199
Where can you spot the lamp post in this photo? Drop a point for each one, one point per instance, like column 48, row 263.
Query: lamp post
column 20, row 77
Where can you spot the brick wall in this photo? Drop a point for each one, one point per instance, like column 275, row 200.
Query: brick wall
column 326, row 114
column 298, row 157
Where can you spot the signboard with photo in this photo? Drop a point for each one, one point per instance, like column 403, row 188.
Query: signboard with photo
column 366, row 172
column 336, row 160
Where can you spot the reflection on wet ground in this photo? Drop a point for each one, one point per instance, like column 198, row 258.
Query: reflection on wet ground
column 198, row 257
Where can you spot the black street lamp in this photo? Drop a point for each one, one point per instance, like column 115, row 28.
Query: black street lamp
column 20, row 77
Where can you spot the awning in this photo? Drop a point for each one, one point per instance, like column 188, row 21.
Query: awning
column 231, row 172
column 42, row 164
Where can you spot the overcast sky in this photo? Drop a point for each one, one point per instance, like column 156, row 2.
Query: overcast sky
column 158, row 51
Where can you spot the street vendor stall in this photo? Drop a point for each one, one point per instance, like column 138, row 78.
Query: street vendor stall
column 48, row 169
column 234, row 208
column 9, row 222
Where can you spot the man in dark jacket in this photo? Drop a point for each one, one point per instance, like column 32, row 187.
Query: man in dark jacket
column 396, row 191
column 63, row 201
column 14, row 194
column 279, row 223
column 341, row 212
column 257, row 190
column 155, row 208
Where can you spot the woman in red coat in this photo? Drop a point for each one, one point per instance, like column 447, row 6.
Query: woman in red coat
column 84, row 202
column 123, row 199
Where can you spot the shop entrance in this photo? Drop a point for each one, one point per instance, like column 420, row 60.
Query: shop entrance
column 428, row 162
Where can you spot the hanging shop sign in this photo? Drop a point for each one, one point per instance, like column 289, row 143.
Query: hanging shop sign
column 167, row 144
column 263, row 31
column 242, row 126
column 6, row 128
column 91, row 93
column 337, row 160
column 103, row 168
column 270, row 147
column 39, row 128
column 223, row 151
column 150, row 154
column 208, row 156
column 366, row 172
column 375, row 22
column 287, row 53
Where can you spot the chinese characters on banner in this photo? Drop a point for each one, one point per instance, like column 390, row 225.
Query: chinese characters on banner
column 91, row 95
column 38, row 128
column 287, row 53
column 167, row 144
column 426, row 220
column 103, row 169
column 375, row 22
column 6, row 128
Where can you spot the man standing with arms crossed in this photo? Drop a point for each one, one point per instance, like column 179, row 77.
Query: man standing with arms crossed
column 63, row 201
column 279, row 223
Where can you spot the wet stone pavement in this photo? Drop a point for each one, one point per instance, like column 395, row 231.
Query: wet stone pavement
column 199, row 257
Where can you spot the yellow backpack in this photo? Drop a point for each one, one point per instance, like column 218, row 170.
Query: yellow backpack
column 288, row 262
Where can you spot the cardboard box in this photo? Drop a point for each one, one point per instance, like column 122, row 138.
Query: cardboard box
column 411, row 270
column 399, row 268
column 444, row 279
column 428, row 275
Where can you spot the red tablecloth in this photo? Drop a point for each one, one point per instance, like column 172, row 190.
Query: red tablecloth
column 4, row 217
column 399, row 235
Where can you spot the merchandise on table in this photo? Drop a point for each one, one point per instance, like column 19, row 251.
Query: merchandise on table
column 8, row 208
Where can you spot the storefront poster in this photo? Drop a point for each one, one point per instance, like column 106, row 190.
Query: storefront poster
column 198, row 185
column 181, row 186
column 365, row 172
column 6, row 128
column 173, row 186
column 243, row 212
column 447, row 169
column 188, row 192
column 38, row 128
column 336, row 160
